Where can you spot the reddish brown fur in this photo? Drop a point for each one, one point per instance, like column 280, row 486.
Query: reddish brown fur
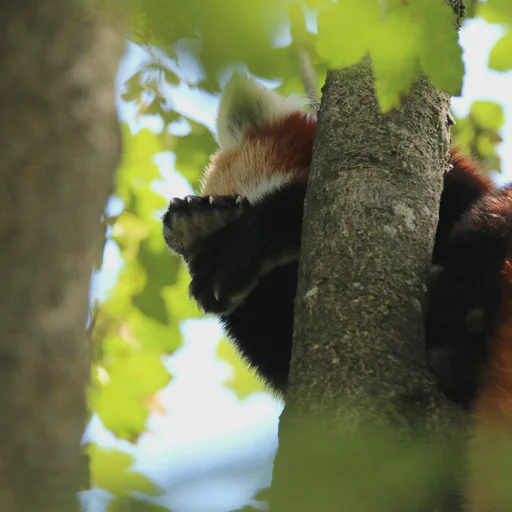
column 281, row 147
column 293, row 139
column 490, row 453
column 471, row 167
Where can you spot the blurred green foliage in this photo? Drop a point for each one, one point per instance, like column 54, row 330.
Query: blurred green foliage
column 316, row 468
column 139, row 321
column 110, row 470
column 478, row 134
column 500, row 12
column 406, row 40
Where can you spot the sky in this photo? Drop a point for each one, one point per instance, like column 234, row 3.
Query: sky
column 211, row 451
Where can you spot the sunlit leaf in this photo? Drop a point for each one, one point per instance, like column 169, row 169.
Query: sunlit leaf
column 395, row 58
column 488, row 114
column 110, row 470
column 137, row 169
column 312, row 4
column 160, row 273
column 129, row 228
column 500, row 57
column 133, row 88
column 478, row 134
column 405, row 40
column 128, row 382
column 440, row 53
column 193, row 152
column 346, row 30
column 496, row 11
column 177, row 299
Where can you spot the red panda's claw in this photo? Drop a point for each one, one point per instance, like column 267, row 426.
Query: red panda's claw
column 193, row 199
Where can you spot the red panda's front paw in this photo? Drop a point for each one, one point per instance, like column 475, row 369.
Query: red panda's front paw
column 191, row 220
column 220, row 288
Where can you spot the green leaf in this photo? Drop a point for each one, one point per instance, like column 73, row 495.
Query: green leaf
column 500, row 57
column 133, row 88
column 160, row 273
column 193, row 152
column 313, row 4
column 405, row 40
column 123, row 390
column 440, row 52
column 170, row 116
column 496, row 11
column 478, row 134
column 137, row 169
column 394, row 53
column 110, row 470
column 245, row 381
column 346, row 31
column 242, row 32
column 177, row 298
column 488, row 114
column 129, row 228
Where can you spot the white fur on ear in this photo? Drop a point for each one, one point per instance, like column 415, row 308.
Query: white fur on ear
column 245, row 103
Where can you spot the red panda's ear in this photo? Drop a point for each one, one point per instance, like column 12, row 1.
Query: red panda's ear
column 246, row 103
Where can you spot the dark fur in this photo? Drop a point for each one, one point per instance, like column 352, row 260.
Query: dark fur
column 243, row 264
column 465, row 296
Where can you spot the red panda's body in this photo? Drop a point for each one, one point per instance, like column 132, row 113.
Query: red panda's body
column 241, row 241
column 490, row 452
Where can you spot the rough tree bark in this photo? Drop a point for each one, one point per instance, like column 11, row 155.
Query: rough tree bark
column 59, row 146
column 371, row 212
column 376, row 182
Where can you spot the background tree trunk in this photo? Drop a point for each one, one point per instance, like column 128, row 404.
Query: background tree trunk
column 358, row 360
column 59, row 146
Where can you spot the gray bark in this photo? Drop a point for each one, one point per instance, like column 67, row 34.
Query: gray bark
column 59, row 146
column 358, row 362
column 371, row 215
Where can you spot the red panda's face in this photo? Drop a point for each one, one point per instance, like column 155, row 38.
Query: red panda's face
column 265, row 142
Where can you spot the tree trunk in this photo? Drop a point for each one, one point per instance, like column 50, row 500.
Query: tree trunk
column 371, row 216
column 59, row 146
column 358, row 364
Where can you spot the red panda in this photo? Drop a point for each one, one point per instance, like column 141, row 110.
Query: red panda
column 470, row 322
column 241, row 241
column 490, row 451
